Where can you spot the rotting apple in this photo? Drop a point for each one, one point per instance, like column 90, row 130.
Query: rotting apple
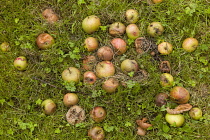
column 89, row 62
column 132, row 31
column 105, row 69
column 190, row 44
column 48, row 106
column 96, row 133
column 165, row 48
column 155, row 29
column 91, row 24
column 5, row 46
column 129, row 66
column 161, row 99
column 71, row 74
column 98, row 114
column 176, row 120
column 70, row 99
column 117, row 28
column 132, row 15
column 45, row 41
column 89, row 77
column 105, row 53
column 166, row 80
column 119, row 45
column 50, row 15
column 20, row 63
column 195, row 113
column 75, row 115
column 179, row 95
column 110, row 85
column 91, row 44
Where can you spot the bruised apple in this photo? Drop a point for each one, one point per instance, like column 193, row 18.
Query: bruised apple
column 89, row 77
column 96, row 133
column 5, row 46
column 165, row 48
column 98, row 114
column 20, row 63
column 166, row 80
column 110, row 85
column 105, row 53
column 190, row 44
column 161, row 99
column 105, row 69
column 91, row 44
column 129, row 65
column 48, row 106
column 45, row 41
column 119, row 45
column 117, row 28
column 132, row 31
column 91, row 24
column 132, row 15
column 179, row 95
column 71, row 74
column 70, row 99
column 89, row 62
column 155, row 29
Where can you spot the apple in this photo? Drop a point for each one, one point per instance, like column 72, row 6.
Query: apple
column 132, row 31
column 105, row 53
column 89, row 77
column 119, row 46
column 132, row 15
column 161, row 99
column 165, row 48
column 50, row 15
column 70, row 99
column 48, row 106
column 190, row 44
column 105, row 69
column 96, row 133
column 117, row 28
column 75, row 115
column 98, row 114
column 110, row 85
column 89, row 62
column 155, row 29
column 195, row 113
column 45, row 41
column 157, row 1
column 179, row 95
column 5, row 46
column 129, row 65
column 71, row 74
column 91, row 44
column 166, row 80
column 175, row 119
column 20, row 63
column 91, row 24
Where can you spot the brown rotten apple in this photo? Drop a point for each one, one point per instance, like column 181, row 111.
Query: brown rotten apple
column 98, row 114
column 161, row 99
column 179, row 95
column 45, row 41
column 119, row 45
column 50, row 15
column 117, row 28
column 91, row 44
column 48, row 106
column 91, row 24
column 96, row 133
column 89, row 77
column 105, row 69
column 89, row 62
column 71, row 74
column 110, row 85
column 75, row 114
column 105, row 53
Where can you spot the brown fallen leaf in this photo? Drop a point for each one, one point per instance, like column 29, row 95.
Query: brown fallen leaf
column 179, row 109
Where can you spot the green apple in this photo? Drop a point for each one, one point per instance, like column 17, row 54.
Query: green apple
column 165, row 48
column 166, row 80
column 20, row 63
column 91, row 24
column 176, row 120
column 48, row 106
column 195, row 113
column 190, row 44
column 5, row 46
column 71, row 74
column 155, row 29
column 129, row 66
column 132, row 15
column 132, row 31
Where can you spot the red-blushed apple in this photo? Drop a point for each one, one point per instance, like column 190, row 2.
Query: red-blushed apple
column 179, row 95
column 117, row 28
column 75, row 115
column 190, row 44
column 48, row 106
column 91, row 44
column 110, row 85
column 45, row 41
column 49, row 15
column 20, row 63
column 166, row 80
column 195, row 113
column 129, row 66
column 91, row 24
column 132, row 15
column 70, row 99
column 157, row 1
column 105, row 69
column 96, row 133
column 89, row 77
column 105, row 53
column 161, row 99
column 71, row 74
column 176, row 120
column 89, row 62
column 119, row 45
column 5, row 46
column 132, row 31
column 165, row 48
column 155, row 29
column 98, row 114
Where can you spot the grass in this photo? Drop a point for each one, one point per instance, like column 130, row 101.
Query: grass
column 21, row 94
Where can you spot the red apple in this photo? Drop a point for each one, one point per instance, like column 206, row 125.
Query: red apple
column 105, row 53
column 155, row 29
column 176, row 120
column 89, row 62
column 179, row 95
column 48, row 106
column 105, row 69
column 132, row 15
column 71, row 74
column 91, row 44
column 119, row 45
column 166, row 80
column 91, row 24
column 110, row 85
column 117, row 28
column 45, row 41
column 89, row 77
column 165, row 48
column 5, row 46
column 132, row 31
column 70, row 99
column 20, row 63
column 190, row 44
column 129, row 65
column 98, row 114
column 96, row 133
column 195, row 113
column 50, row 15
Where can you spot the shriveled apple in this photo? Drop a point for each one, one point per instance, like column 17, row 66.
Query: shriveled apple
column 89, row 62
column 50, row 15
